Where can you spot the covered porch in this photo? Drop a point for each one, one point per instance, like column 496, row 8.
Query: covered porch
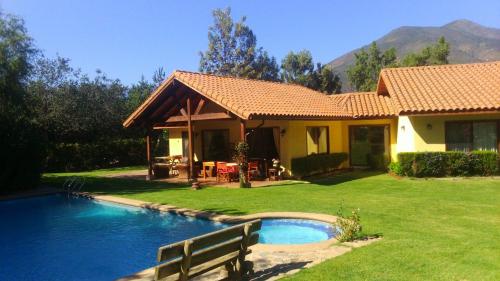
column 202, row 135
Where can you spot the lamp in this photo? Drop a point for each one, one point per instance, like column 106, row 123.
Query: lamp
column 282, row 132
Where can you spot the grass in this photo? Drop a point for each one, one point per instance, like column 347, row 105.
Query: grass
column 440, row 229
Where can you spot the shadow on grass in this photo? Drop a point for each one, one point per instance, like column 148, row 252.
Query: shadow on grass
column 104, row 185
column 225, row 211
column 343, row 177
column 278, row 269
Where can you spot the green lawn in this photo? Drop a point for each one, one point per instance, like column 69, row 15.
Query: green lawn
column 441, row 229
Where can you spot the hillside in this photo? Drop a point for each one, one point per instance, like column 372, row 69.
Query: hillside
column 469, row 42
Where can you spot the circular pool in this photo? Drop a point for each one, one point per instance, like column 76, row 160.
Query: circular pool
column 294, row 231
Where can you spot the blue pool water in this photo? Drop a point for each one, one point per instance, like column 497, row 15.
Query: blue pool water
column 56, row 238
column 59, row 238
column 294, row 231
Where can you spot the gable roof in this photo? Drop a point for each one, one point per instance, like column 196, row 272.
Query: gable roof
column 251, row 99
column 444, row 88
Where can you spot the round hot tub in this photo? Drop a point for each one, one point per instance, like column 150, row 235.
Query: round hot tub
column 294, row 231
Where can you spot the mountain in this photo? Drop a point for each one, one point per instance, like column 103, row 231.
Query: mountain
column 469, row 42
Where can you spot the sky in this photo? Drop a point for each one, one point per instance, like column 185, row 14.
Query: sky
column 127, row 39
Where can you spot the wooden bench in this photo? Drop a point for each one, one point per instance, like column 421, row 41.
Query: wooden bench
column 227, row 247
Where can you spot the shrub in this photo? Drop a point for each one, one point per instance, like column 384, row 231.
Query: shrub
column 317, row 163
column 102, row 154
column 349, row 227
column 429, row 164
column 486, row 163
column 22, row 149
column 395, row 168
column 377, row 161
column 451, row 163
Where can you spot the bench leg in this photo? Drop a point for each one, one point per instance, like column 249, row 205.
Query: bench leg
column 231, row 271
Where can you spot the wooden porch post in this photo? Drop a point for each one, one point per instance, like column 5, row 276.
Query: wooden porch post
column 148, row 155
column 192, row 175
column 243, row 128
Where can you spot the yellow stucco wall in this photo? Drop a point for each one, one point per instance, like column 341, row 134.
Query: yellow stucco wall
column 407, row 134
column 293, row 139
column 175, row 136
column 427, row 133
column 175, row 141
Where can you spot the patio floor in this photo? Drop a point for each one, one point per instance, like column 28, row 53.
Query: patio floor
column 209, row 181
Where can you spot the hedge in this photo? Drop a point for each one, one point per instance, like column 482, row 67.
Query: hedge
column 98, row 155
column 317, row 163
column 22, row 150
column 450, row 163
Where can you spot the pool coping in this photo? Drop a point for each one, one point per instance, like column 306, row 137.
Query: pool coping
column 231, row 219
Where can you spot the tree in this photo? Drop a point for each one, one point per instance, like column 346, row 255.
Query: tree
column 325, row 80
column 299, row 68
column 435, row 54
column 138, row 93
column 21, row 142
column 232, row 50
column 264, row 67
column 363, row 75
column 158, row 76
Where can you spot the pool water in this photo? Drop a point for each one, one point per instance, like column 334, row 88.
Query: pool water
column 294, row 231
column 59, row 238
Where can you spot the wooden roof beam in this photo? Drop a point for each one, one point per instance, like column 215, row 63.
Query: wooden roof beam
column 200, row 117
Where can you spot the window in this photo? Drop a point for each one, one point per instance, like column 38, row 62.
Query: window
column 472, row 135
column 367, row 140
column 317, row 140
column 216, row 145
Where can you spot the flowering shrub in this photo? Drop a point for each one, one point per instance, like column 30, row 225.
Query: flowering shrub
column 349, row 226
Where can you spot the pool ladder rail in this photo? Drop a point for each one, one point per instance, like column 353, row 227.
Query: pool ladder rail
column 73, row 186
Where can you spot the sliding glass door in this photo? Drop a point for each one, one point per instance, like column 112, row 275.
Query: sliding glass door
column 368, row 140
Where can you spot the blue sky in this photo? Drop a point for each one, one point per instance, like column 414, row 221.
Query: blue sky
column 126, row 39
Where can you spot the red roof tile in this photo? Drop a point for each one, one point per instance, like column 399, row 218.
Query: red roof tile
column 444, row 88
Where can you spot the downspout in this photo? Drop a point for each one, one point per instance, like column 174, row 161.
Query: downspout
column 253, row 129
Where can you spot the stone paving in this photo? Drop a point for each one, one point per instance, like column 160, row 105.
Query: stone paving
column 272, row 264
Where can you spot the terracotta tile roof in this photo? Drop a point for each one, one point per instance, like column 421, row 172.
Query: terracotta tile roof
column 250, row 98
column 445, row 88
column 406, row 90
column 365, row 104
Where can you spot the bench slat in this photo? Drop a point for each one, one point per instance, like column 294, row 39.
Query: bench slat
column 170, row 251
column 222, row 235
column 167, row 269
column 213, row 264
column 222, row 249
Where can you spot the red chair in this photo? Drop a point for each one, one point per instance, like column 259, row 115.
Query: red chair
column 223, row 172
column 253, row 169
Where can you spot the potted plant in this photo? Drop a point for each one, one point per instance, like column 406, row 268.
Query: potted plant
column 241, row 157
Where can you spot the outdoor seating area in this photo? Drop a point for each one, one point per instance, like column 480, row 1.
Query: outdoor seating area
column 222, row 171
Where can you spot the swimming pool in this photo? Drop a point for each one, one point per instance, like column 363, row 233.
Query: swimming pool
column 294, row 231
column 58, row 238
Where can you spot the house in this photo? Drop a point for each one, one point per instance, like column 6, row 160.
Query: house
column 429, row 108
